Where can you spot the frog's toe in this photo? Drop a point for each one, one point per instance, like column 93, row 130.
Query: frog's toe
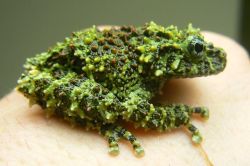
column 196, row 136
column 139, row 151
column 203, row 111
column 114, row 133
column 114, row 149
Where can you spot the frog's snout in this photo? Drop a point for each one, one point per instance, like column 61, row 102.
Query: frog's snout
column 218, row 60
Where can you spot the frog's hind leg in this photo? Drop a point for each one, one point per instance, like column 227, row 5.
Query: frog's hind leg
column 114, row 133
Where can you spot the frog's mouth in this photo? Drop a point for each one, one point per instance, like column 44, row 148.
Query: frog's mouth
column 211, row 62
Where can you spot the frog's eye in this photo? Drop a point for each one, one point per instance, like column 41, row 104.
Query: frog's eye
column 196, row 46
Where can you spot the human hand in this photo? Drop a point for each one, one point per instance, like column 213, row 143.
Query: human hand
column 28, row 138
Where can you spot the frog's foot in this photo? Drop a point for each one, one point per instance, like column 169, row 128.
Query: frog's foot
column 114, row 133
column 196, row 136
column 202, row 111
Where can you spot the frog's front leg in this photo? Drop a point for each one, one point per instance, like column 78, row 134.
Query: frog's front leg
column 161, row 117
column 114, row 132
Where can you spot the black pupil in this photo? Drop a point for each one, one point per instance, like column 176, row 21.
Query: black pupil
column 198, row 47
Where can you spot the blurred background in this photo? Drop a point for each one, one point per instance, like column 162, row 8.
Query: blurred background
column 28, row 27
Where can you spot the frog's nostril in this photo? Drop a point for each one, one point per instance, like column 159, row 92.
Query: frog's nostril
column 223, row 56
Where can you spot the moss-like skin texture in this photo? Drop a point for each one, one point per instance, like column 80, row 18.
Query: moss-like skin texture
column 98, row 78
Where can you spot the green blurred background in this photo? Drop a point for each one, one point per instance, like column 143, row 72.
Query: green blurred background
column 29, row 26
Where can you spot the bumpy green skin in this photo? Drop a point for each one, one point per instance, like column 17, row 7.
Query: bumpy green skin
column 97, row 78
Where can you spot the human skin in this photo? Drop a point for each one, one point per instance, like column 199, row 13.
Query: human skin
column 27, row 137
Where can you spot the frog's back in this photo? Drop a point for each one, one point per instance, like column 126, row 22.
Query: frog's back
column 109, row 57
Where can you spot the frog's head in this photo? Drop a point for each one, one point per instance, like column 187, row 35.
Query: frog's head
column 189, row 55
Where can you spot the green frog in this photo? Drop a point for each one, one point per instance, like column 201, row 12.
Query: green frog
column 98, row 79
